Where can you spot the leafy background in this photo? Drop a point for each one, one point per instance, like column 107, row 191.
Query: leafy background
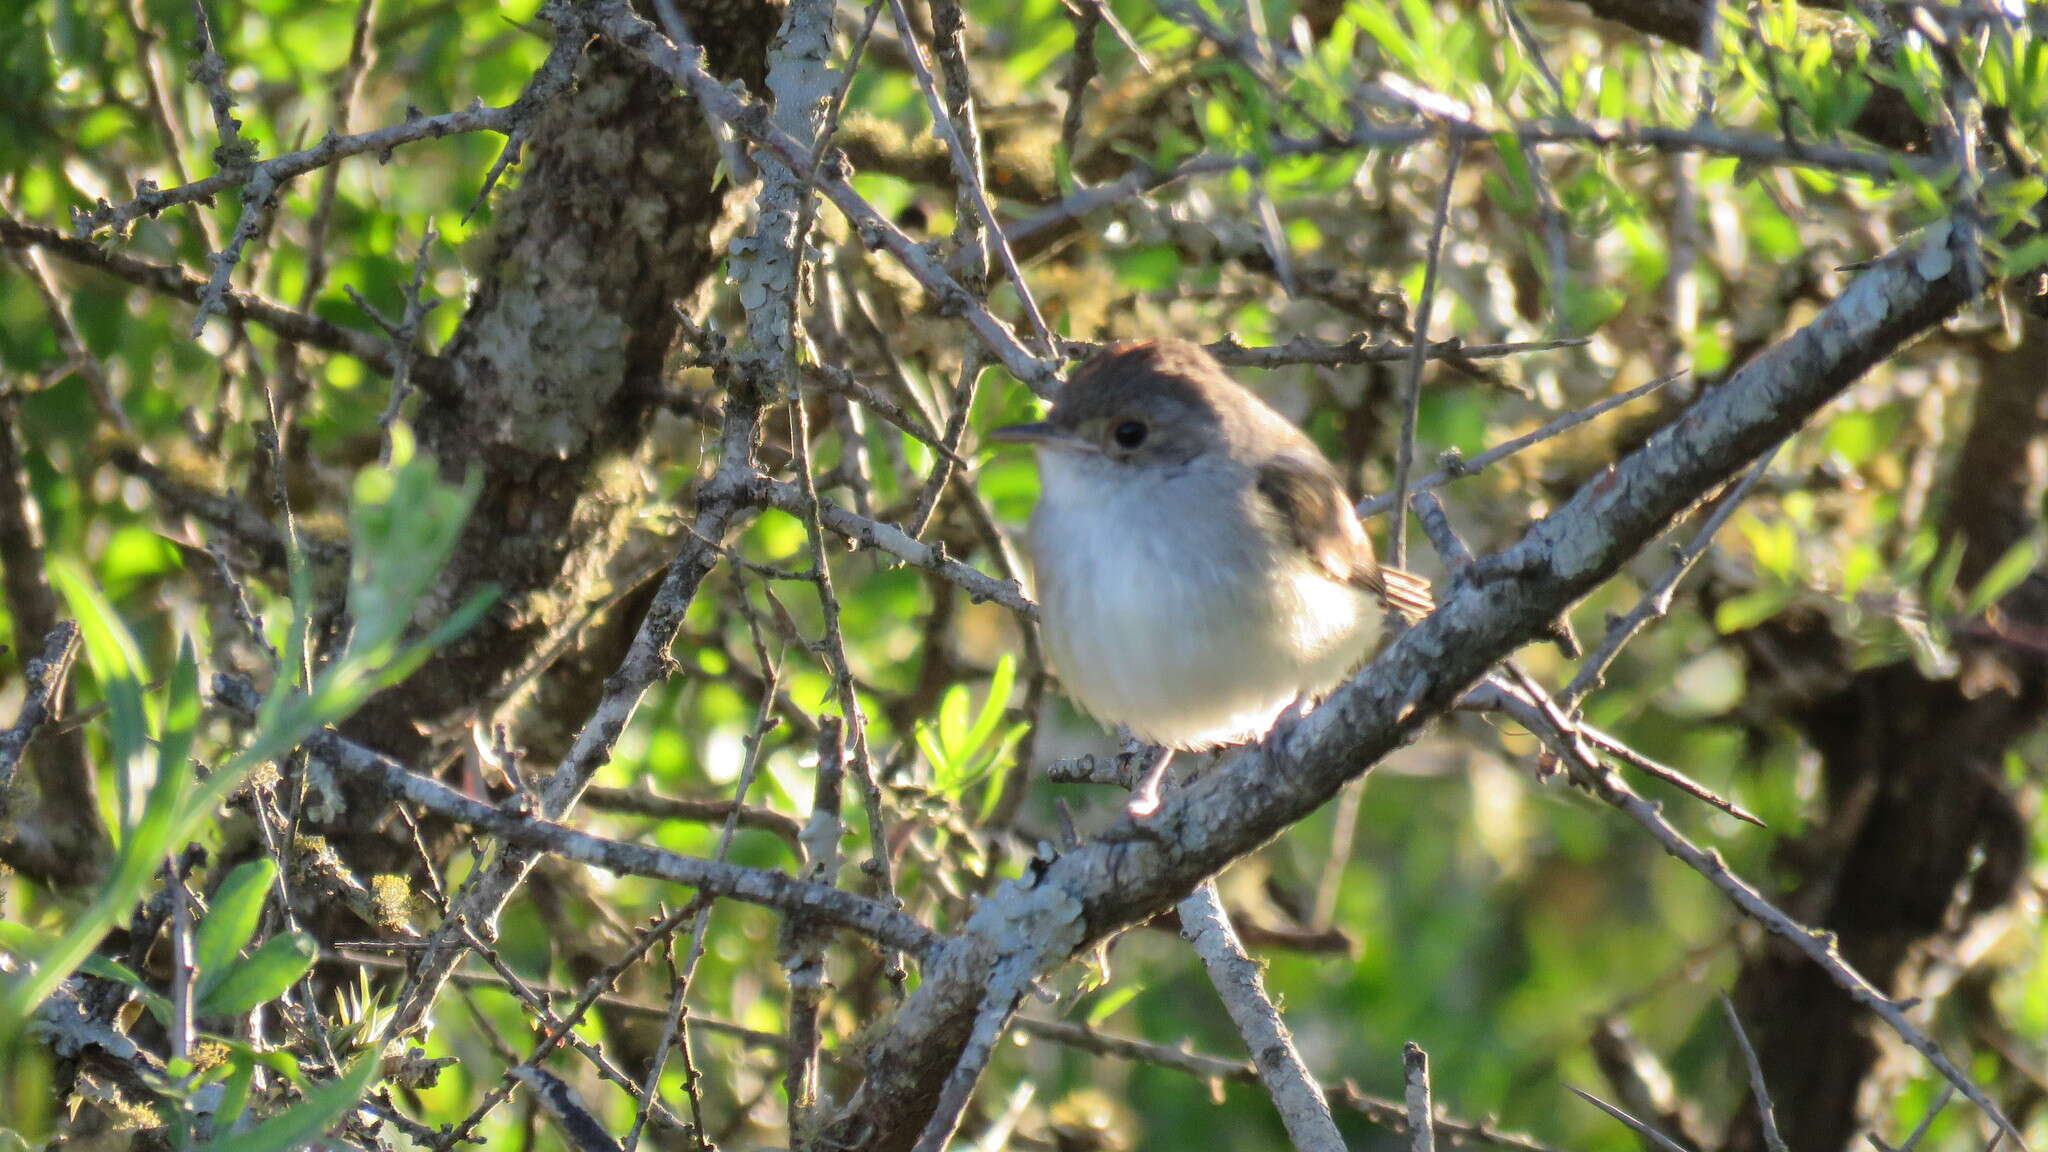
column 1497, row 920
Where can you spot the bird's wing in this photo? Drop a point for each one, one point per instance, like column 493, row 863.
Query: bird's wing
column 1310, row 502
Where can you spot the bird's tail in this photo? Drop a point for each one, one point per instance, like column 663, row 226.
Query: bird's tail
column 1407, row 593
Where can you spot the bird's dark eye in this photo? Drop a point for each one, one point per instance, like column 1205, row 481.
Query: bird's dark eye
column 1129, row 434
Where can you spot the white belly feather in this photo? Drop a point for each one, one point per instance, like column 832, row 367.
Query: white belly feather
column 1153, row 625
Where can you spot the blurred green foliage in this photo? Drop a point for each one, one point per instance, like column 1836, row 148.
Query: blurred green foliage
column 1491, row 918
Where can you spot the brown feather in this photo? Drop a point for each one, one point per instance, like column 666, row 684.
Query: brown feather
column 1407, row 593
column 1303, row 490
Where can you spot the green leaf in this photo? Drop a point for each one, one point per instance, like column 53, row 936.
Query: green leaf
column 2025, row 257
column 1860, row 566
column 406, row 523
column 991, row 796
column 162, row 823
column 1941, row 580
column 1063, row 169
column 1773, row 544
column 322, row 1109
column 996, row 704
column 934, row 751
column 231, row 922
column 2005, row 575
column 181, row 713
column 117, row 665
column 997, row 755
column 1377, row 21
column 1514, row 161
column 22, row 940
column 277, row 1060
column 234, row 1093
column 1749, row 609
column 1109, row 1002
column 275, row 966
column 403, row 523
column 953, row 721
column 1917, row 555
column 30, row 944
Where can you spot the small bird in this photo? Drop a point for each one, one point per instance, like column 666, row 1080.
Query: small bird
column 1199, row 567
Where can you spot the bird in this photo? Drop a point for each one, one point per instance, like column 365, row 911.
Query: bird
column 1197, row 564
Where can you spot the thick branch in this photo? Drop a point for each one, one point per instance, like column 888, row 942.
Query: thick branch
column 1241, row 984
column 46, row 676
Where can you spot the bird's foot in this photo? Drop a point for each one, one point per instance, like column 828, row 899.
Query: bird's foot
column 1145, row 798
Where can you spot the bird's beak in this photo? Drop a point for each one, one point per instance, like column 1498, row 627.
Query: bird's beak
column 1036, row 432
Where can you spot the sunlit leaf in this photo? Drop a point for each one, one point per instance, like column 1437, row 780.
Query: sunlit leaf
column 231, row 922
column 2004, row 575
column 263, row 975
column 303, row 1122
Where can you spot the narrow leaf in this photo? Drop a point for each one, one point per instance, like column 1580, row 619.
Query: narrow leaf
column 231, row 922
column 322, row 1109
column 275, row 966
column 2005, row 575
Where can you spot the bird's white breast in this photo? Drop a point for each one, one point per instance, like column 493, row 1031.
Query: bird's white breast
column 1165, row 609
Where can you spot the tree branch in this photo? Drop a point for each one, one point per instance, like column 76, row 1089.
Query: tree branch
column 537, row 835
column 1496, row 605
column 1242, row 986
column 170, row 280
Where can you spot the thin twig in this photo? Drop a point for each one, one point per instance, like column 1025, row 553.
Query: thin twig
column 280, row 169
column 57, row 306
column 1681, row 279
column 560, row 1029
column 750, row 762
column 1343, row 833
column 1081, row 69
column 898, row 543
column 1656, row 600
column 990, row 1017
column 535, row 836
column 942, row 470
column 673, row 1030
column 405, row 339
column 1037, row 230
column 802, row 945
column 1816, row 946
column 877, row 866
column 362, row 52
column 640, row 802
column 1919, row 1132
column 184, row 975
column 577, row 1125
column 617, row 22
column 1390, row 1114
column 645, row 664
column 1361, row 349
column 210, row 72
column 181, row 284
column 691, row 1089
column 1645, row 1130
column 1411, row 403
column 1458, row 467
column 1766, row 1116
